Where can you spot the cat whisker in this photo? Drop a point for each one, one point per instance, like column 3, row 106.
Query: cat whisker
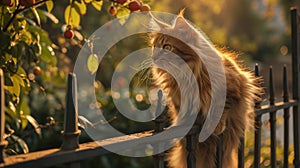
column 144, row 73
column 142, row 77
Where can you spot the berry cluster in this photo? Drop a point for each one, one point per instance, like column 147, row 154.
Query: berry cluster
column 10, row 3
column 133, row 6
column 26, row 2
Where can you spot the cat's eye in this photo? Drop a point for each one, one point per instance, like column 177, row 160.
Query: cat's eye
column 168, row 47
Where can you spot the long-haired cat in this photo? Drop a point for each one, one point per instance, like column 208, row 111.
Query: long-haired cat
column 241, row 88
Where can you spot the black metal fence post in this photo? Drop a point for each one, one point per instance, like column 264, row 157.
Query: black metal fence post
column 295, row 69
column 286, row 116
column 191, row 145
column 272, row 120
column 71, row 132
column 219, row 151
column 159, row 121
column 241, row 157
column 257, row 136
column 3, row 143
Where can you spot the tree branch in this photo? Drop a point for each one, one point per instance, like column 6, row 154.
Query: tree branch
column 17, row 11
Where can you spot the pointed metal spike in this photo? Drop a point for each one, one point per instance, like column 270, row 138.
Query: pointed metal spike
column 271, row 87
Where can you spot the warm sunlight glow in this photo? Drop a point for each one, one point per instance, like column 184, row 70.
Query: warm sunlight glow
column 139, row 97
column 284, row 50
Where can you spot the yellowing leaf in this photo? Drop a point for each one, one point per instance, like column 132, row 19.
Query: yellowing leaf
column 24, row 121
column 49, row 5
column 80, row 7
column 26, row 37
column 88, row 1
column 72, row 17
column 97, row 5
column 16, row 88
column 92, row 63
column 121, row 15
column 18, row 79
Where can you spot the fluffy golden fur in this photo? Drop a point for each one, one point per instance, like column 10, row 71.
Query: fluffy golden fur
column 241, row 86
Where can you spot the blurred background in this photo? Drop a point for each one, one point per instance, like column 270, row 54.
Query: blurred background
column 258, row 30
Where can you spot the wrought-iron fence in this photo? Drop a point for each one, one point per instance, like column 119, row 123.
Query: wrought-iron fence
column 71, row 153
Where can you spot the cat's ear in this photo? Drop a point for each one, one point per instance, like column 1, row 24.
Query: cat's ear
column 180, row 23
column 157, row 25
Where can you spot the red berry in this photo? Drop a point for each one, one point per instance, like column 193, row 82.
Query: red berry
column 112, row 10
column 121, row 1
column 23, row 2
column 69, row 34
column 26, row 2
column 37, row 70
column 7, row 3
column 30, row 2
column 145, row 8
column 134, row 6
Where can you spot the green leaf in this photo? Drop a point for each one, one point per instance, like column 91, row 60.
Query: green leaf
column 5, row 40
column 20, row 24
column 80, row 7
column 49, row 5
column 21, row 72
column 42, row 15
column 92, row 63
column 72, row 17
column 44, row 37
column 24, row 121
column 15, row 89
column 37, row 49
column 17, row 50
column 10, row 117
column 26, row 37
column 18, row 79
column 48, row 54
column 97, row 5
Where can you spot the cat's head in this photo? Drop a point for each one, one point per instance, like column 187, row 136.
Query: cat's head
column 179, row 38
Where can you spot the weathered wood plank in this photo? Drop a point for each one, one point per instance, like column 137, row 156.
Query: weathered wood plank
column 53, row 157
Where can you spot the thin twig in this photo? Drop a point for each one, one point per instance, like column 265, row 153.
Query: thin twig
column 17, row 11
column 2, row 17
column 71, row 5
